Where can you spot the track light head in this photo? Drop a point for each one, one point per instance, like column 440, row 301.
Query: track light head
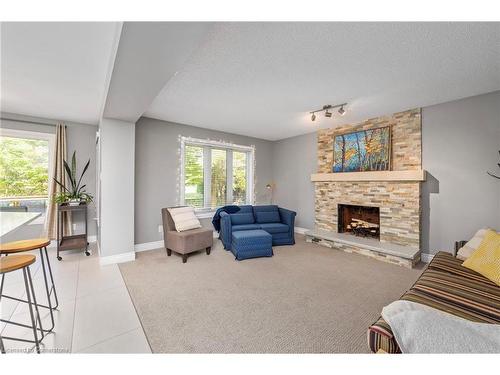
column 327, row 108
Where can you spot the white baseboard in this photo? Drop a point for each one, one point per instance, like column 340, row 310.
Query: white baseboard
column 118, row 258
column 148, row 246
column 301, row 230
column 426, row 258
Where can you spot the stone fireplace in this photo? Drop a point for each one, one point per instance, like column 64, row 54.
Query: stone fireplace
column 387, row 199
column 363, row 221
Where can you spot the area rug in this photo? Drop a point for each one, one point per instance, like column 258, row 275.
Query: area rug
column 305, row 299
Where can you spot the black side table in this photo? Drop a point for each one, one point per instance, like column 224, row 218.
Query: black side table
column 76, row 241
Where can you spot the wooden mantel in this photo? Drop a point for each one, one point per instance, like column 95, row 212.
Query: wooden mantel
column 412, row 175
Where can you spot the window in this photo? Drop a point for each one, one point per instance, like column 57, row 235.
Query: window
column 214, row 174
column 25, row 159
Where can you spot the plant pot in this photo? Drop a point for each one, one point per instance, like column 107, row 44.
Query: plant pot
column 74, row 202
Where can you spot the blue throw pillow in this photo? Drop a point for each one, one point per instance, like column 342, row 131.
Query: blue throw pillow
column 268, row 217
column 238, row 219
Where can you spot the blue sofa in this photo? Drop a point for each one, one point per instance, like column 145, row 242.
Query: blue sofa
column 278, row 222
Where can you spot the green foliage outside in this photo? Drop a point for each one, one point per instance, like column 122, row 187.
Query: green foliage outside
column 194, row 189
column 193, row 169
column 219, row 183
column 24, row 166
column 239, row 177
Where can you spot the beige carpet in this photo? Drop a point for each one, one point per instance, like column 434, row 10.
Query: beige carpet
column 305, row 299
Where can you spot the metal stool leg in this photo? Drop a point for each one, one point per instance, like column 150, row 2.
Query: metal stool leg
column 51, row 277
column 27, row 283
column 39, row 318
column 1, row 286
column 47, row 291
column 2, row 282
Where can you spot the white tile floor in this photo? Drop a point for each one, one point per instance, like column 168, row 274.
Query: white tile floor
column 95, row 313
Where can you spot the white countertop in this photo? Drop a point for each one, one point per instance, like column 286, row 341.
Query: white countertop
column 10, row 221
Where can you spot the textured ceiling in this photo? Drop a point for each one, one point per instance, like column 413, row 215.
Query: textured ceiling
column 261, row 79
column 149, row 54
column 55, row 69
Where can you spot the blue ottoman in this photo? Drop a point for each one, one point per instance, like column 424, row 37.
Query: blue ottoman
column 251, row 244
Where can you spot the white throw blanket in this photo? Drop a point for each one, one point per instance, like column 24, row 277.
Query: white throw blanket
column 421, row 329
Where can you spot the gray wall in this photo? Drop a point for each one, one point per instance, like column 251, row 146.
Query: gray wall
column 460, row 142
column 80, row 137
column 157, row 169
column 117, row 185
column 294, row 159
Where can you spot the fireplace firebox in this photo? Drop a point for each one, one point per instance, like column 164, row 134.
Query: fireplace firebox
column 363, row 221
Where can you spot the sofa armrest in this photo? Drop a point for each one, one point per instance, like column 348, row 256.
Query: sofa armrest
column 287, row 217
column 225, row 229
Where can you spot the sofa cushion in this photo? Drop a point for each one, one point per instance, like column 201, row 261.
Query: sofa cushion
column 245, row 227
column 247, row 208
column 257, row 210
column 275, row 228
column 268, row 217
column 251, row 235
column 245, row 218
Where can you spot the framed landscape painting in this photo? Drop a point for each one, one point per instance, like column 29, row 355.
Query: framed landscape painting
column 365, row 150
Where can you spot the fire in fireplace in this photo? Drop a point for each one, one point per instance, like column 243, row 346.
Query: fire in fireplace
column 361, row 221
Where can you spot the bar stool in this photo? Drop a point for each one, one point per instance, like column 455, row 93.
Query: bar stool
column 27, row 245
column 23, row 262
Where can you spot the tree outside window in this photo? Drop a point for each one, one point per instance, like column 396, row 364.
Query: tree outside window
column 24, row 174
column 226, row 179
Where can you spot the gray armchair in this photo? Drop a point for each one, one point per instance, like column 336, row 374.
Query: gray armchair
column 185, row 242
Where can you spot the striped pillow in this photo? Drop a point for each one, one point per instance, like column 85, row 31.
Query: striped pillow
column 184, row 218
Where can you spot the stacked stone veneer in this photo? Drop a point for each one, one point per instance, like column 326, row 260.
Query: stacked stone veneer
column 399, row 202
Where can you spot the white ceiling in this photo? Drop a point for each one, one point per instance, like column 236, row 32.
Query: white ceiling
column 56, row 70
column 262, row 79
column 149, row 54
column 256, row 79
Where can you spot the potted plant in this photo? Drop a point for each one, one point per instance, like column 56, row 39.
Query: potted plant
column 75, row 193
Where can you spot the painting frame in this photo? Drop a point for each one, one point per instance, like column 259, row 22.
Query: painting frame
column 385, row 164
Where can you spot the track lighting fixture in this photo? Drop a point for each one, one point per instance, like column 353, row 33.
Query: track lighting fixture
column 326, row 108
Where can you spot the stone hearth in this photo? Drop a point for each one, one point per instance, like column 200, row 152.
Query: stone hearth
column 401, row 255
